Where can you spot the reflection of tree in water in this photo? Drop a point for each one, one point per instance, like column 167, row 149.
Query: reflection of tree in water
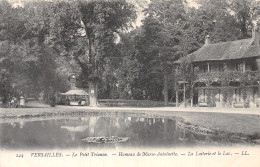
column 37, row 134
column 154, row 131
column 68, row 133
column 106, row 126
column 141, row 131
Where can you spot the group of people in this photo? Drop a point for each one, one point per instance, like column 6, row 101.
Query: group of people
column 14, row 102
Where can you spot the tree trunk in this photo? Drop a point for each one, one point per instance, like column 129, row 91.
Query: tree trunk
column 165, row 89
column 93, row 94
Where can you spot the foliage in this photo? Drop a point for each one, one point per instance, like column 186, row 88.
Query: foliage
column 127, row 75
column 43, row 42
column 89, row 29
column 245, row 13
column 211, row 18
column 58, row 32
column 227, row 78
column 158, row 45
column 30, row 65
column 225, row 97
column 5, row 86
column 122, row 70
column 208, row 96
column 245, row 97
column 92, row 34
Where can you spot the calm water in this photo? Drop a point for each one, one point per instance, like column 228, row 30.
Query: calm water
column 67, row 133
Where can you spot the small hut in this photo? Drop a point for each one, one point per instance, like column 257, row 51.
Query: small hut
column 75, row 96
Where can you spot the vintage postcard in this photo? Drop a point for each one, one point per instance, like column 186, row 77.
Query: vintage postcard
column 129, row 83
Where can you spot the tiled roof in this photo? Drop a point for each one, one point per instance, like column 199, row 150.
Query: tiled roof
column 226, row 50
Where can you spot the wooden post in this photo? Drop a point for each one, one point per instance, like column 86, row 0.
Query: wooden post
column 244, row 66
column 177, row 101
column 191, row 101
column 184, row 97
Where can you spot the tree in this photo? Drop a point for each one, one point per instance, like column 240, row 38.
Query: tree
column 246, row 12
column 12, row 51
column 29, row 64
column 212, row 18
column 90, row 26
column 128, row 70
column 161, row 40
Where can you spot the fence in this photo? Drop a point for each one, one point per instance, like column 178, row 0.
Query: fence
column 131, row 103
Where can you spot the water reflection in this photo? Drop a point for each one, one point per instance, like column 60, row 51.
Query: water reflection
column 67, row 133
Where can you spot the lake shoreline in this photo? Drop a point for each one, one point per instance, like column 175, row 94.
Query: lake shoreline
column 199, row 120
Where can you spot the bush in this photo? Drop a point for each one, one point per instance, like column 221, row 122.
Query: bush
column 137, row 94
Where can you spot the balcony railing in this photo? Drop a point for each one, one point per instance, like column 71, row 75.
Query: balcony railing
column 228, row 76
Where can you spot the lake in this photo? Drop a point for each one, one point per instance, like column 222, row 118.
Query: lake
column 68, row 133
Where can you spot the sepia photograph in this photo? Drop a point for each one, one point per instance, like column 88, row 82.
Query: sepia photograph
column 129, row 83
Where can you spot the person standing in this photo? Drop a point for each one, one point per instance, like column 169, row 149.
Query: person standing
column 22, row 101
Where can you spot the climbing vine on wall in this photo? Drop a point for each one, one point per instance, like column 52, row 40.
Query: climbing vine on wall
column 208, row 96
column 244, row 96
column 225, row 94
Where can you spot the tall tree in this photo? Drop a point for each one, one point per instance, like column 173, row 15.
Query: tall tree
column 25, row 55
column 161, row 39
column 13, row 51
column 95, row 22
column 246, row 13
column 212, row 18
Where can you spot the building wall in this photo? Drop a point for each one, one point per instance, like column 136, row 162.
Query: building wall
column 231, row 65
column 253, row 95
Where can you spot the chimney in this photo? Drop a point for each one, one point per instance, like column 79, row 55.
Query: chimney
column 207, row 40
column 255, row 35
